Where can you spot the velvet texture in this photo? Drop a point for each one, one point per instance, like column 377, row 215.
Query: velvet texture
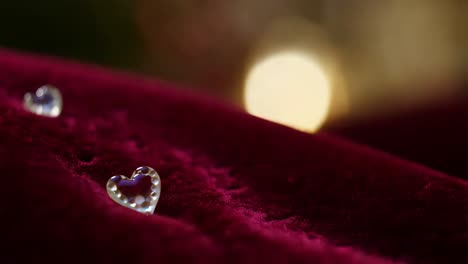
column 435, row 135
column 235, row 189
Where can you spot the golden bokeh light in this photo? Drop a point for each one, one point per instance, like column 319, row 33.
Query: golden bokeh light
column 289, row 88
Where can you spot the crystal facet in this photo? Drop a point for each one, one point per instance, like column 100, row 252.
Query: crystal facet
column 139, row 192
column 46, row 101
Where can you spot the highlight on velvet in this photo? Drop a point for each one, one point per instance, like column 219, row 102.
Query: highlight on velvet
column 140, row 192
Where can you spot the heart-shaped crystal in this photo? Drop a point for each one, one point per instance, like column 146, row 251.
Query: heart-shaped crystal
column 46, row 101
column 140, row 193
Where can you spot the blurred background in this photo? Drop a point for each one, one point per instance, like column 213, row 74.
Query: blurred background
column 306, row 64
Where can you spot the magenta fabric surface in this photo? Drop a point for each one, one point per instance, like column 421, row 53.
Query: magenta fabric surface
column 235, row 188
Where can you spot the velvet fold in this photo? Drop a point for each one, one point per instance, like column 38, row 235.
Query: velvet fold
column 235, row 188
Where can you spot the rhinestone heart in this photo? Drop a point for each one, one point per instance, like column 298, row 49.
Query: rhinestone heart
column 140, row 193
column 46, row 101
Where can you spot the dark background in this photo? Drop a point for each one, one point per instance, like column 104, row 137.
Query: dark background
column 392, row 56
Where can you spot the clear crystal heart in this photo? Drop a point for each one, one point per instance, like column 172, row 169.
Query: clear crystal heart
column 46, row 101
column 140, row 192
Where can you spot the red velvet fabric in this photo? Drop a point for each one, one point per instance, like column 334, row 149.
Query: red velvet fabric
column 235, row 189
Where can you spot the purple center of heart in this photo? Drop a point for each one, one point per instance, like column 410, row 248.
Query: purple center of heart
column 139, row 185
